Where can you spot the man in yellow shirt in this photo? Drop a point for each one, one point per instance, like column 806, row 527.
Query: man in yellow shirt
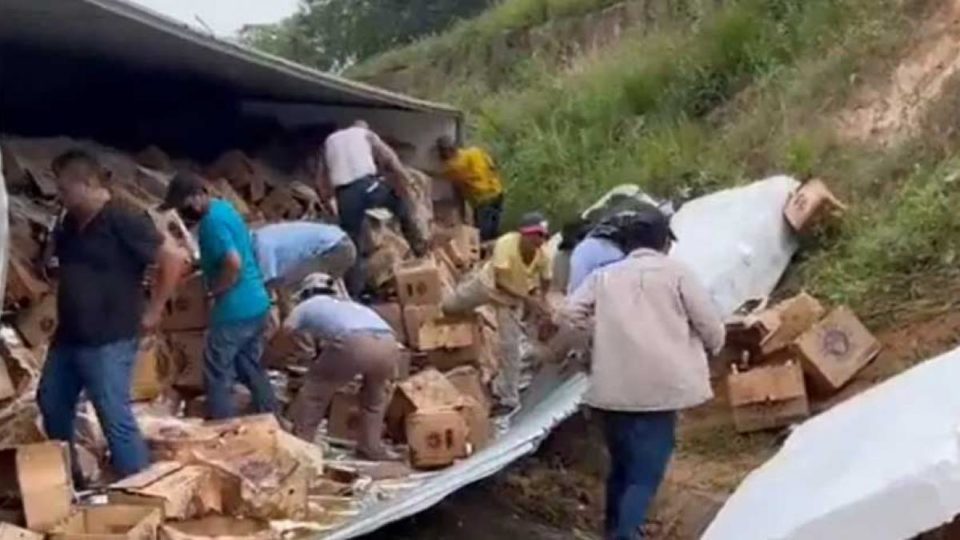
column 475, row 175
column 515, row 280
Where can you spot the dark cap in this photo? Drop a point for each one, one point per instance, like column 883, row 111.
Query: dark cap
column 183, row 186
column 645, row 226
column 534, row 223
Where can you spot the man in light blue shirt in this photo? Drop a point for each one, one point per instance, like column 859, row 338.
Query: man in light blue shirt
column 290, row 251
column 234, row 284
column 591, row 253
column 357, row 341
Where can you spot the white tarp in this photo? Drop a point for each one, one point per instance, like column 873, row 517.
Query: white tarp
column 736, row 240
column 883, row 465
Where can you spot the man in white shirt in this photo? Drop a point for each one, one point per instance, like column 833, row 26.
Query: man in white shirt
column 351, row 175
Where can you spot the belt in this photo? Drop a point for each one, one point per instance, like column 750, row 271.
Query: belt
column 352, row 183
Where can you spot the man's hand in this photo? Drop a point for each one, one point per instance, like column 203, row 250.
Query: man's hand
column 538, row 308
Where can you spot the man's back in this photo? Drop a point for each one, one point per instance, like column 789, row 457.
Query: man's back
column 329, row 317
column 221, row 231
column 349, row 155
column 652, row 322
column 281, row 246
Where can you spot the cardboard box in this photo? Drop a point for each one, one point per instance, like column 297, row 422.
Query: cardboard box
column 344, row 420
column 12, row 532
column 768, row 397
column 259, row 483
column 280, row 205
column 793, row 317
column 810, row 205
column 393, row 314
column 427, row 390
column 39, row 475
column 416, row 317
column 468, row 381
column 436, row 437
column 148, row 377
column 109, row 522
column 220, row 527
column 7, row 387
column 835, row 349
column 447, row 359
column 23, row 285
column 419, row 282
column 465, row 245
column 186, row 350
column 189, row 308
column 178, row 491
column 38, row 323
column 479, row 427
column 446, row 333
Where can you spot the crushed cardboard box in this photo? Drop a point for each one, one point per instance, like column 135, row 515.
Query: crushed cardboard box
column 178, row 491
column 767, row 397
column 109, row 522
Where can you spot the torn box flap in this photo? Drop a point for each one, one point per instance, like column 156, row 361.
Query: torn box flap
column 180, row 491
column 11, row 532
column 43, row 473
column 430, row 390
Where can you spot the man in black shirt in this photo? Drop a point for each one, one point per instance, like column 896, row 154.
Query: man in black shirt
column 103, row 250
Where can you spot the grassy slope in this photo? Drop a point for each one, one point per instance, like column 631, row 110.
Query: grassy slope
column 711, row 97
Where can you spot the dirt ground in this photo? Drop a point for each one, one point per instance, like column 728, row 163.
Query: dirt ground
column 558, row 492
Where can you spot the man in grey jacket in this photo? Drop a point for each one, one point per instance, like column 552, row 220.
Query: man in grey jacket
column 652, row 324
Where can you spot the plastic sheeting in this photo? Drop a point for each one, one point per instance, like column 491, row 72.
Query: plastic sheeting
column 883, row 465
column 736, row 241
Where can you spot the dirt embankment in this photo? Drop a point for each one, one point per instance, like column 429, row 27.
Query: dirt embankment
column 890, row 110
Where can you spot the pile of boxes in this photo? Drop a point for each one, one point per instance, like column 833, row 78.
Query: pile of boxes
column 207, row 477
column 781, row 356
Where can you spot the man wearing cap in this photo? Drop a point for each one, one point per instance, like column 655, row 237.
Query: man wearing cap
column 235, row 286
column 350, row 173
column 516, row 280
column 475, row 175
column 290, row 251
column 652, row 324
column 357, row 341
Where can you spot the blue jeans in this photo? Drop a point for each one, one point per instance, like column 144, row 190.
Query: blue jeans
column 487, row 217
column 232, row 353
column 640, row 445
column 353, row 201
column 104, row 372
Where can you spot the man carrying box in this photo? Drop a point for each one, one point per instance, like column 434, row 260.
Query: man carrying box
column 103, row 251
column 516, row 280
column 357, row 341
column 234, row 284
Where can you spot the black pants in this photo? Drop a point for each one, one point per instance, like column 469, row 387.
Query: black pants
column 487, row 215
column 353, row 201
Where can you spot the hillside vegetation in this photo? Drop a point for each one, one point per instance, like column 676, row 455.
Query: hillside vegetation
column 697, row 95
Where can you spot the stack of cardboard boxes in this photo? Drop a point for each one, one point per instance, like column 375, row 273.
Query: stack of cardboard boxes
column 783, row 355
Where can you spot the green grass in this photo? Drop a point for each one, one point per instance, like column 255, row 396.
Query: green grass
column 709, row 97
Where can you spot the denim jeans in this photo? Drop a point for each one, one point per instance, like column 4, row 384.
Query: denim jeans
column 487, row 216
column 640, row 445
column 232, row 353
column 353, row 201
column 104, row 372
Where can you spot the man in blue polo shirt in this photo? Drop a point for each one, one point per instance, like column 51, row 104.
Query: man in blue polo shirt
column 240, row 301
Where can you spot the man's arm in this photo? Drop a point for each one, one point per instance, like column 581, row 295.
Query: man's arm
column 702, row 313
column 230, row 265
column 385, row 154
column 170, row 263
column 580, row 306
